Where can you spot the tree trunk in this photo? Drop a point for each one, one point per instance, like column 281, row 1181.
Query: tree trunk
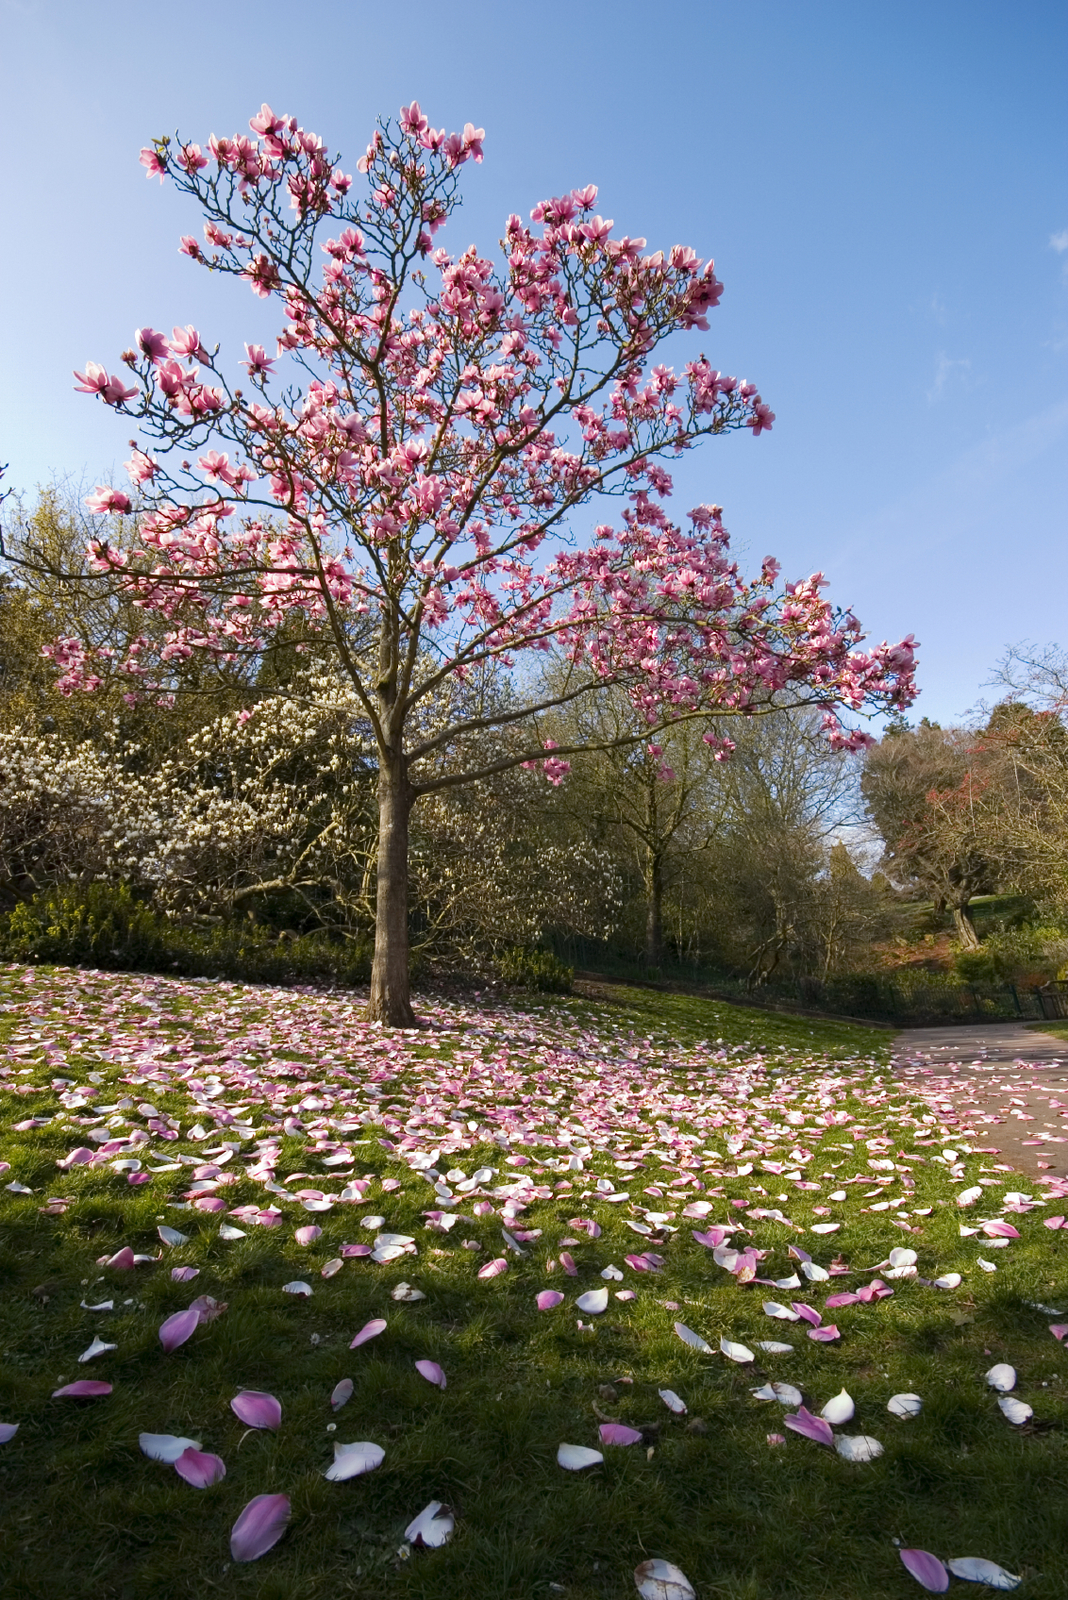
column 654, row 908
column 390, row 995
column 965, row 927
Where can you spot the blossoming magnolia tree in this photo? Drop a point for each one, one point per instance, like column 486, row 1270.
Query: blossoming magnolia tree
column 414, row 464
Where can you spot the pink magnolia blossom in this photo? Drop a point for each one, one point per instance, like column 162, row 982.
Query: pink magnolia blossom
column 431, row 469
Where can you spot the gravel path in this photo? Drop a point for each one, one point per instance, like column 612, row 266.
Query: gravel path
column 999, row 1085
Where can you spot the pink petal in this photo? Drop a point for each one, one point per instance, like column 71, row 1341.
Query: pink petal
column 257, row 1410
column 431, row 1372
column 308, row 1235
column 567, row 1261
column 348, row 1250
column 713, row 1238
column 809, row 1314
column 184, row 1274
column 824, row 1335
column 209, row 1202
column 209, row 1309
column 618, row 1433
column 493, row 1269
column 1059, row 1330
column 802, row 1421
column 8, row 1431
column 122, row 1260
column 548, row 1298
column 836, row 1300
column 200, row 1468
column 342, row 1394
column 1053, row 1222
column 260, row 1525
column 370, row 1330
column 84, row 1389
column 177, row 1329
column 926, row 1569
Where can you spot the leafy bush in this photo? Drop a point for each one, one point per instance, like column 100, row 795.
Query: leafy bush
column 536, row 969
column 105, row 925
column 1015, row 954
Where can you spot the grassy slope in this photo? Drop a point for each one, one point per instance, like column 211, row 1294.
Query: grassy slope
column 85, row 1513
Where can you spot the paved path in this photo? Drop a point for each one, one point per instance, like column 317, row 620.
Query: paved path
column 999, row 1085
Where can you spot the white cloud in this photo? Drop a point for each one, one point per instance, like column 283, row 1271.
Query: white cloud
column 1059, row 241
column 945, row 370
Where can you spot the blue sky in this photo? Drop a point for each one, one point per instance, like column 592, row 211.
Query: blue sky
column 884, row 190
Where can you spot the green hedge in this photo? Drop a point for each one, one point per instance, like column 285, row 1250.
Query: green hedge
column 536, row 969
column 105, row 925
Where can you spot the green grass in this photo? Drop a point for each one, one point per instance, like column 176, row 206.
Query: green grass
column 1059, row 1030
column 85, row 1513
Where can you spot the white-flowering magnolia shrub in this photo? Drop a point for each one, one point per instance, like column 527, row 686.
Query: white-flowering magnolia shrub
column 278, row 802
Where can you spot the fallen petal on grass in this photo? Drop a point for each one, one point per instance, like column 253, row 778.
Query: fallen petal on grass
column 926, row 1569
column 370, row 1330
column 618, row 1433
column 594, row 1301
column 659, row 1580
column 1016, row 1411
column 548, row 1299
column 1002, row 1377
column 256, row 1409
column 201, row 1469
column 431, row 1372
column 177, row 1329
column 672, row 1401
column 839, row 1409
column 694, row 1340
column 904, row 1405
column 432, row 1528
column 976, row 1569
column 341, row 1394
column 574, row 1457
column 857, row 1447
column 84, row 1389
column 165, row 1446
column 736, row 1352
column 259, row 1527
column 97, row 1348
column 810, row 1427
column 353, row 1460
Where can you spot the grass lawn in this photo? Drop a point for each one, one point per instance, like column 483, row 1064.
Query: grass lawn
column 1059, row 1030
column 212, row 1108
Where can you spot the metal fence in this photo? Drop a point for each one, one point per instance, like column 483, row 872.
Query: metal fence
column 904, row 999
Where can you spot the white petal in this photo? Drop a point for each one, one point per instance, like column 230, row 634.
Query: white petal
column 372, row 1222
column 659, row 1580
column 574, row 1457
column 949, row 1280
column 97, row 1348
column 814, row 1273
column 839, row 1409
column 857, row 1447
column 350, row 1460
column 688, row 1336
column 227, row 1231
column 431, row 1528
column 1002, row 1377
column 772, row 1308
column 975, row 1569
column 594, row 1301
column 968, row 1197
column 774, row 1348
column 102, row 1305
column 672, row 1401
column 405, row 1292
column 987, row 1266
column 171, row 1236
column 165, row 1446
column 905, row 1405
column 736, row 1352
column 613, row 1274
column 1015, row 1410
column 901, row 1257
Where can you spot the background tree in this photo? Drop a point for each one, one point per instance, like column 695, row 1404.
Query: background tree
column 925, row 791
column 442, row 420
